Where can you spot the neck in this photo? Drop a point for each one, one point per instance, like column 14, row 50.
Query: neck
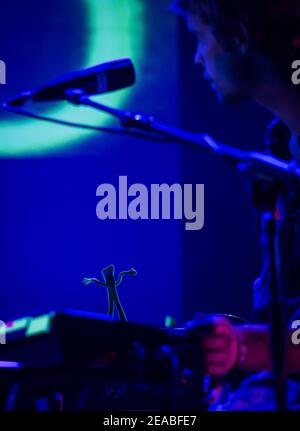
column 284, row 102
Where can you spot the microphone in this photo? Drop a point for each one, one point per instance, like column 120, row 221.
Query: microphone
column 100, row 79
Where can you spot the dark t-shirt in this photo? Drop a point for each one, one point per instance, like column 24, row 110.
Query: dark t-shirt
column 254, row 391
column 284, row 200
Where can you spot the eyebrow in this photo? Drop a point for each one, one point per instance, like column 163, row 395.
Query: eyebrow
column 193, row 31
column 197, row 33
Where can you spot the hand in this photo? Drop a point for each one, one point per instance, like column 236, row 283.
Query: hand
column 225, row 346
column 221, row 347
column 220, row 343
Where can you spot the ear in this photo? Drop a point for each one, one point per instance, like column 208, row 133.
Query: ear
column 241, row 37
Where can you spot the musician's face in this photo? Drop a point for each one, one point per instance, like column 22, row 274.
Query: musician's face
column 224, row 69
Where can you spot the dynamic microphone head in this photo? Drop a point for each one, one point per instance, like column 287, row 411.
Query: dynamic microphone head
column 104, row 78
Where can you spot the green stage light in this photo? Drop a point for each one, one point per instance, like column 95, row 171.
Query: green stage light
column 39, row 325
column 115, row 30
column 17, row 325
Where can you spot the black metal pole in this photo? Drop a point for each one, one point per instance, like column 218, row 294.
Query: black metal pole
column 271, row 228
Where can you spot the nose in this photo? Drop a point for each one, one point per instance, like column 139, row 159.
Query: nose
column 198, row 58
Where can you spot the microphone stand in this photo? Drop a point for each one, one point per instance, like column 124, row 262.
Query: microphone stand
column 271, row 228
column 258, row 164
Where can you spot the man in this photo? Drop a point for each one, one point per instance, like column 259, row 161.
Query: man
column 246, row 49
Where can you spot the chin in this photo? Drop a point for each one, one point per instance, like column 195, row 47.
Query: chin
column 230, row 97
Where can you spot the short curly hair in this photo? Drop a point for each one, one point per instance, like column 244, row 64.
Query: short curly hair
column 273, row 25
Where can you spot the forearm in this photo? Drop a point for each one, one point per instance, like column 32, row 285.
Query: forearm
column 255, row 350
